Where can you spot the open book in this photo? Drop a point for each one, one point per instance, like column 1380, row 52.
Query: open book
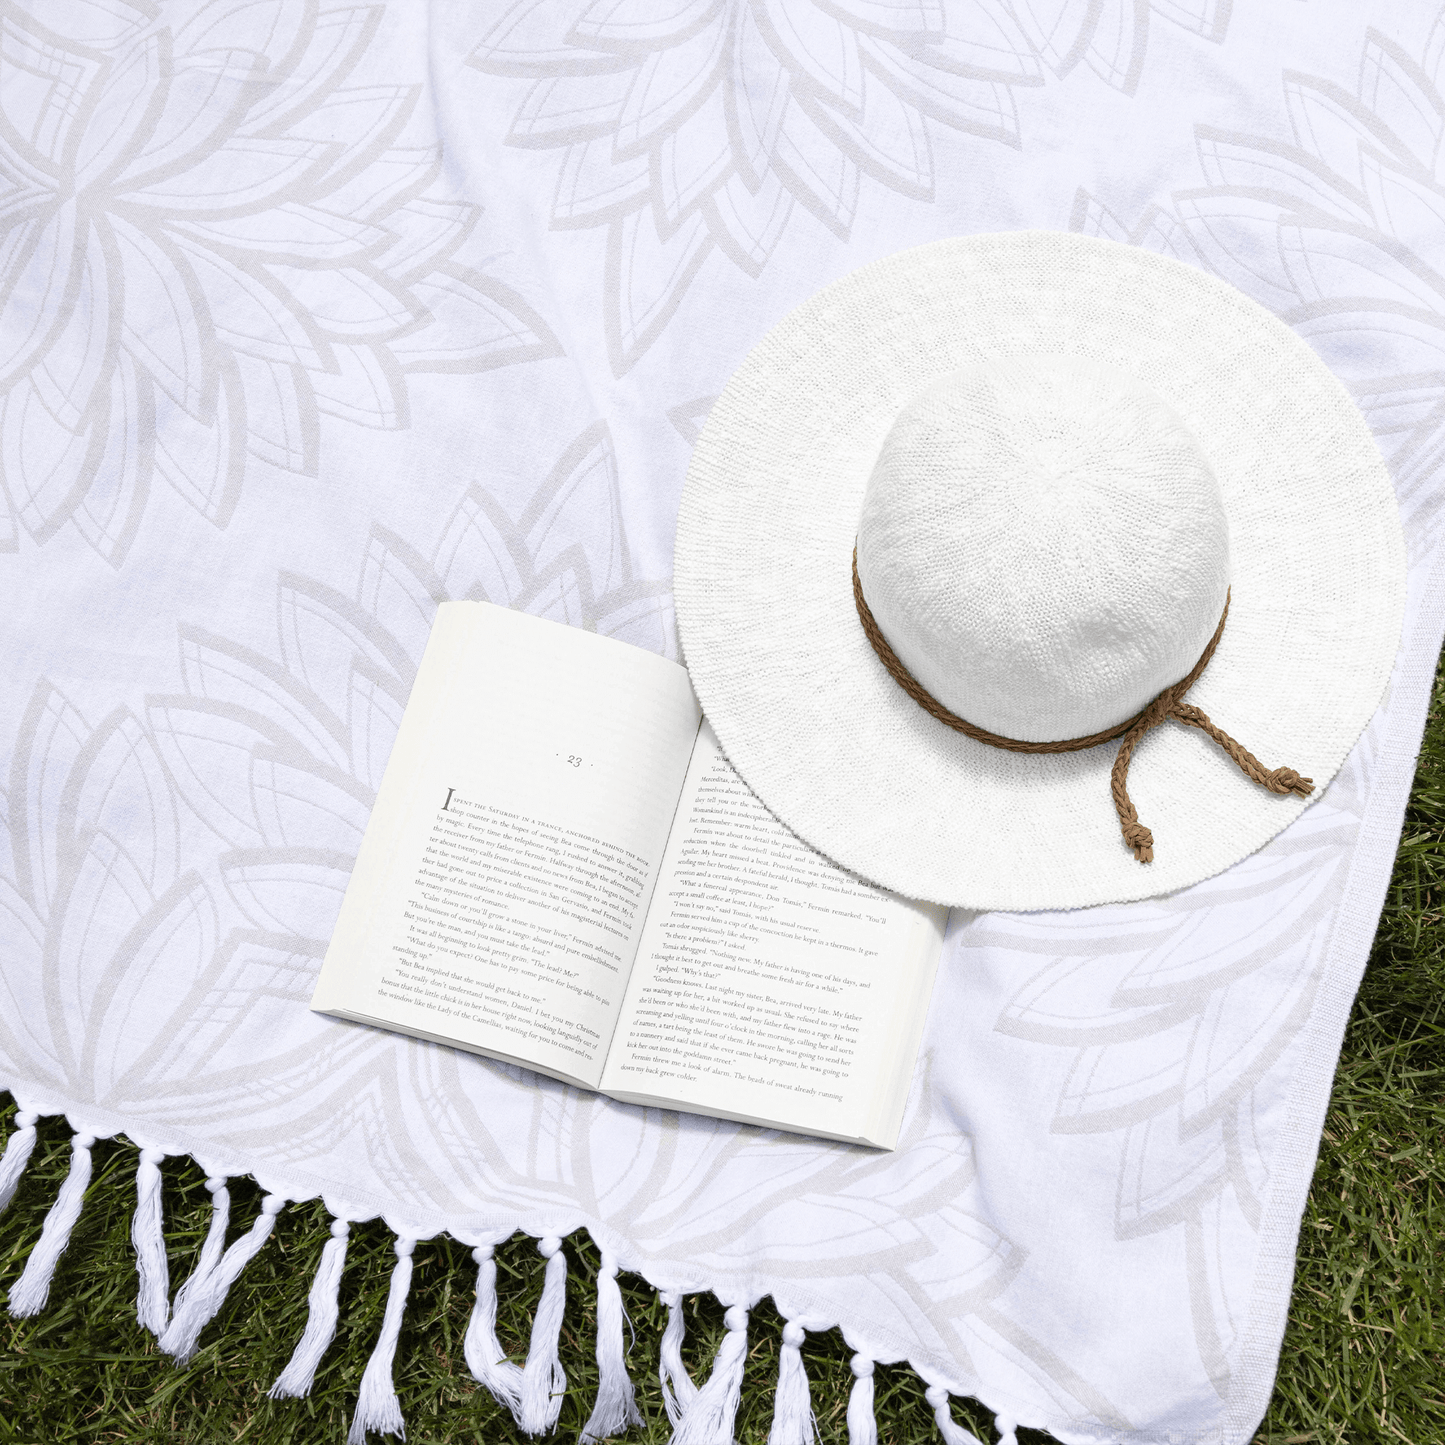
column 563, row 871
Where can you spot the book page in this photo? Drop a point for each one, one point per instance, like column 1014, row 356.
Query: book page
column 770, row 985
column 505, row 874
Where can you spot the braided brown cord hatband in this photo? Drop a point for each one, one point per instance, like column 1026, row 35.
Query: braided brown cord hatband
column 1169, row 704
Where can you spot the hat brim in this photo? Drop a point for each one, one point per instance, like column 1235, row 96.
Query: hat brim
column 818, row 729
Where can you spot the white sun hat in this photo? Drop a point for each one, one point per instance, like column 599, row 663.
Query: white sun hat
column 1109, row 515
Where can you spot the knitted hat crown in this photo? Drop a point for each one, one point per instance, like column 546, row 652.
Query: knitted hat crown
column 1044, row 545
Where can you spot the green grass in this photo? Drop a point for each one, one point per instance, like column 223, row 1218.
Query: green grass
column 1363, row 1357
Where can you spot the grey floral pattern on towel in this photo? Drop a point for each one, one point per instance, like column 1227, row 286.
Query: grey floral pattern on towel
column 211, row 241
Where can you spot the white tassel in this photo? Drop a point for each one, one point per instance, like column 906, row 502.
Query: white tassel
column 709, row 1419
column 793, row 1422
column 321, row 1315
column 147, row 1234
column 543, row 1380
column 376, row 1403
column 482, row 1349
column 616, row 1407
column 30, row 1291
column 18, row 1148
column 862, row 1427
column 678, row 1390
column 214, row 1245
column 953, row 1433
column 1007, row 1428
column 205, row 1292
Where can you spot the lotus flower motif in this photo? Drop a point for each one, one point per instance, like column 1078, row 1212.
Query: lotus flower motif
column 1328, row 223
column 693, row 126
column 205, row 247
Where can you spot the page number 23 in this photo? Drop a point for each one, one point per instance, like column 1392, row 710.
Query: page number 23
column 573, row 761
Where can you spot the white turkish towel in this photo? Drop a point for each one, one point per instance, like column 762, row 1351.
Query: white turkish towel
column 313, row 318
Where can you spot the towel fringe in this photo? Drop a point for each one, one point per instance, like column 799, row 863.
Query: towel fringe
column 18, row 1148
column 202, row 1296
column 862, row 1425
column 214, row 1245
column 678, row 1390
column 483, row 1351
column 616, row 1408
column 544, row 1381
column 321, row 1316
column 147, row 1234
column 710, row 1417
column 700, row 1415
column 953, row 1433
column 377, row 1407
column 29, row 1293
column 793, row 1419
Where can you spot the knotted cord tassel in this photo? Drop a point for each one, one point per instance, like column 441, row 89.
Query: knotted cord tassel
column 1136, row 835
column 377, row 1407
column 678, row 1390
column 1169, row 705
column 1277, row 780
column 953, row 1433
column 147, row 1234
column 709, row 1419
column 793, row 1421
column 862, row 1426
column 483, row 1351
column 18, row 1149
column 616, row 1407
column 1007, row 1428
column 32, row 1289
column 199, row 1303
column 322, row 1311
column 543, row 1380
